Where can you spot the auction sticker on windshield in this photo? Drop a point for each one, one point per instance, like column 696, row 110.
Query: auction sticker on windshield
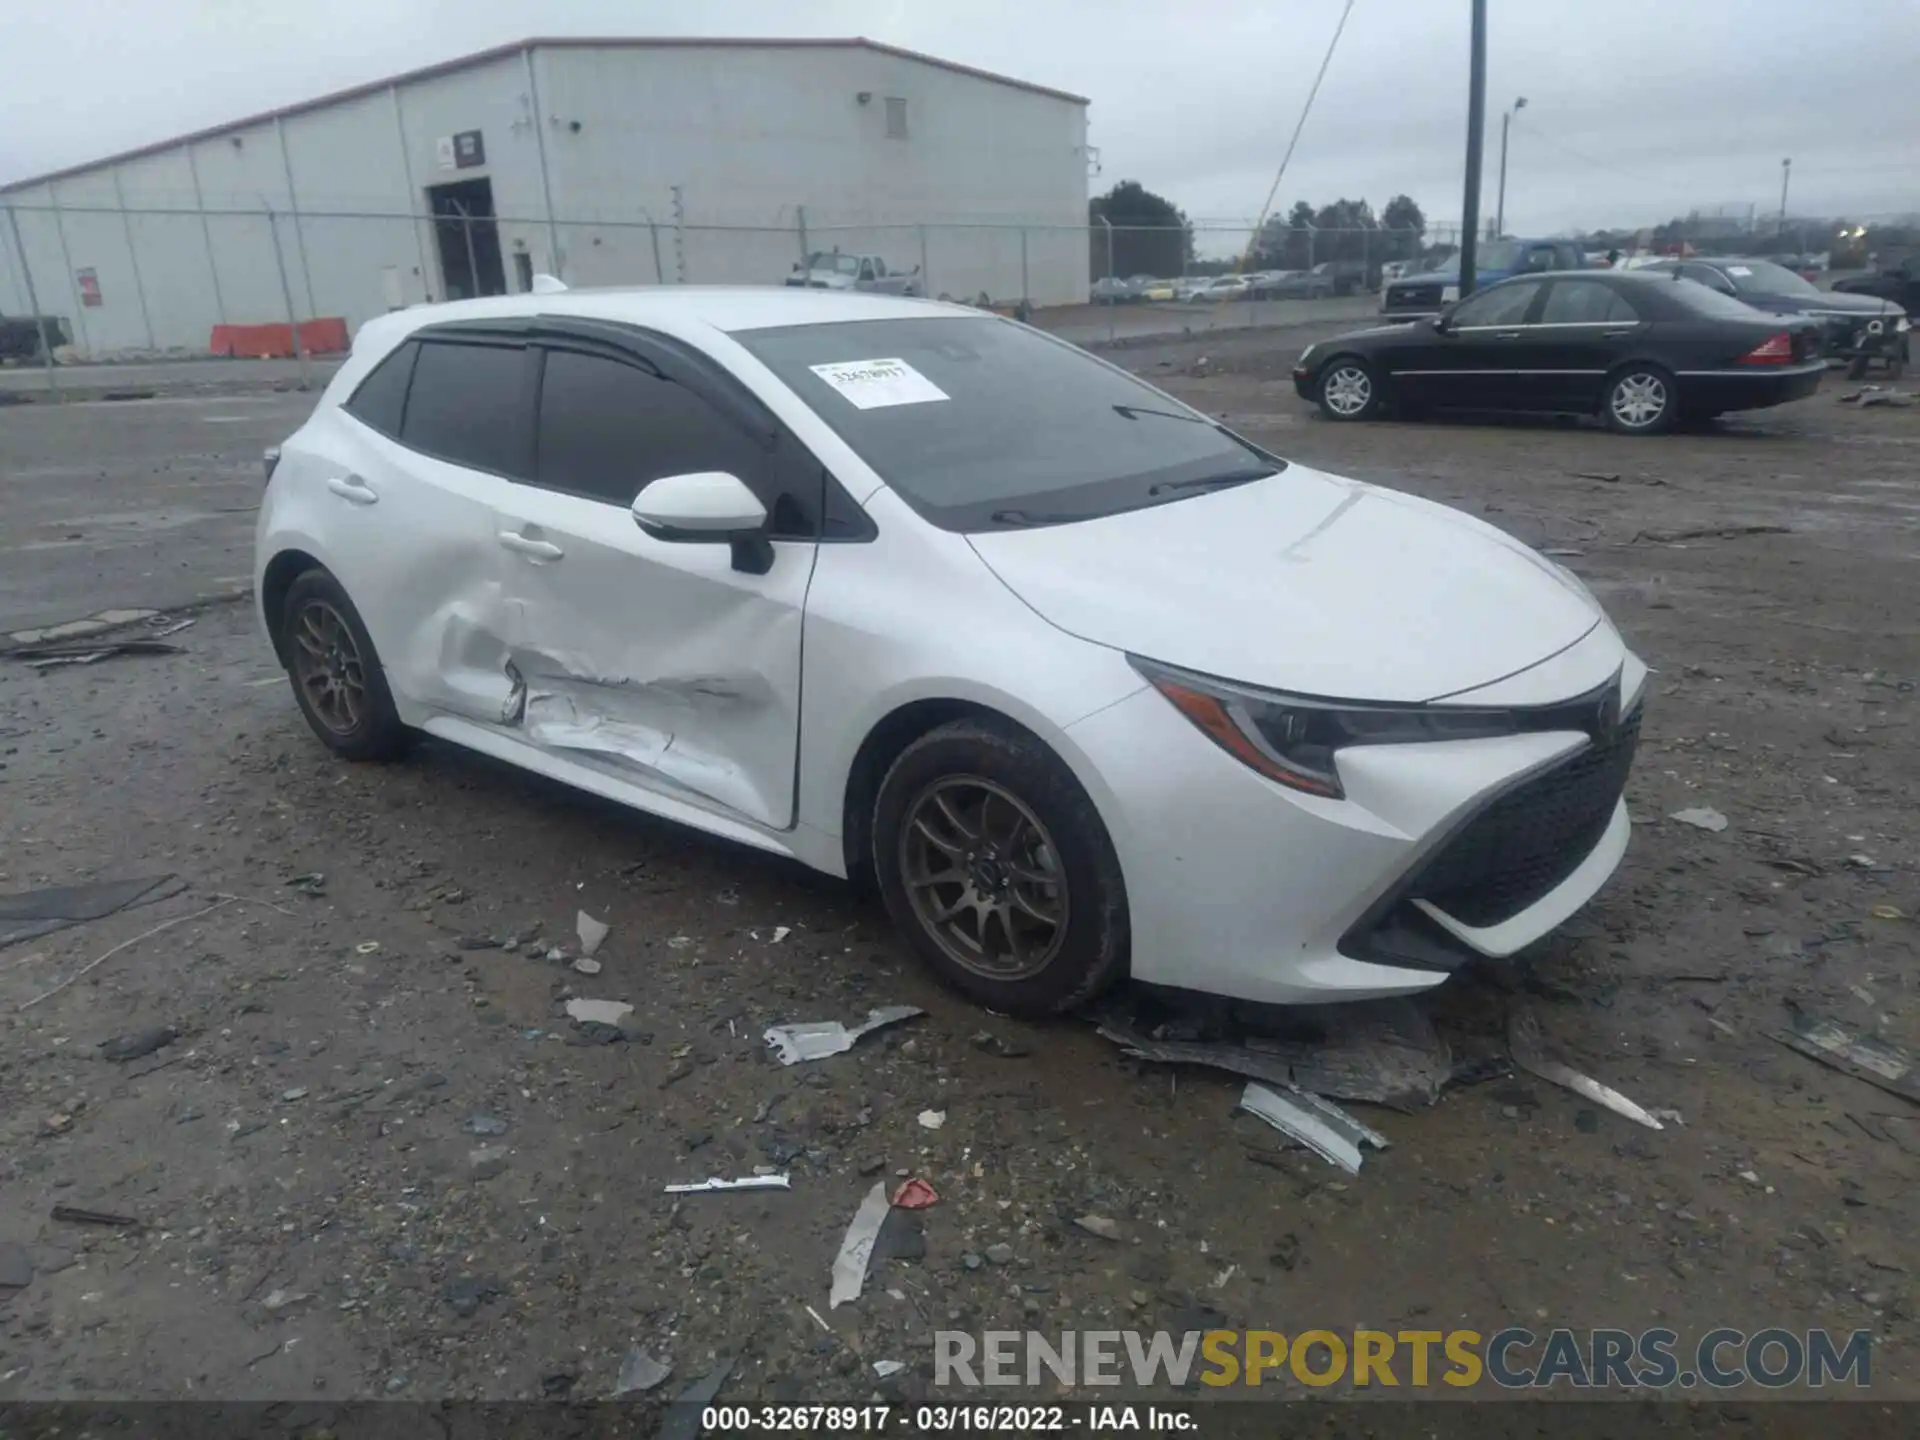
column 875, row 384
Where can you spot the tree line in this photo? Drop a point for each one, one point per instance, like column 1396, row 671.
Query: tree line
column 1151, row 235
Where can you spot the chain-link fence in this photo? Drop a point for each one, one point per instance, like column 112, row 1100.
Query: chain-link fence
column 110, row 282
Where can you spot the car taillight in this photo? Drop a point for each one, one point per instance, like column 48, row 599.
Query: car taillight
column 270, row 458
column 1774, row 350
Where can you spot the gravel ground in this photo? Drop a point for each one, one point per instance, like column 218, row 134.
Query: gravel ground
column 379, row 1161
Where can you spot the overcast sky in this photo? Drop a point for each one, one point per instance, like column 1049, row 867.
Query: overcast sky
column 1637, row 109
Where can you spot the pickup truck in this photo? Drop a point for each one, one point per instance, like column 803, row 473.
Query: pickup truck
column 1418, row 297
column 21, row 336
column 835, row 270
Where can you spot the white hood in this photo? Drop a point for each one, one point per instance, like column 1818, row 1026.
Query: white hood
column 1306, row 582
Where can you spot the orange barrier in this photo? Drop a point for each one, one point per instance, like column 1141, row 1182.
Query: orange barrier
column 326, row 336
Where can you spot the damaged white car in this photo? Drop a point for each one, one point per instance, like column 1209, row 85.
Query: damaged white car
column 1088, row 684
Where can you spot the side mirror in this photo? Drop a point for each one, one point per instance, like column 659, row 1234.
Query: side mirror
column 707, row 507
column 1440, row 323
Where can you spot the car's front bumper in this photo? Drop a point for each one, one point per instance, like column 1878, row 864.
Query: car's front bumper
column 1238, row 886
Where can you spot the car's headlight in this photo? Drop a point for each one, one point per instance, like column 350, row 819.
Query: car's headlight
column 1293, row 738
column 1903, row 323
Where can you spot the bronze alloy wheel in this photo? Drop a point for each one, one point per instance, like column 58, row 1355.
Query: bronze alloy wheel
column 984, row 878
column 327, row 666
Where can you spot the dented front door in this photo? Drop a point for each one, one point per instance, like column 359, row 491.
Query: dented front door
column 655, row 661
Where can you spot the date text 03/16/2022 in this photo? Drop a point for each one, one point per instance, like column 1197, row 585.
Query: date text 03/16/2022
column 948, row 1419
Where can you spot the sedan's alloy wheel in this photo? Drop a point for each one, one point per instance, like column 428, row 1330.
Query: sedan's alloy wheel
column 1348, row 390
column 328, row 667
column 1639, row 399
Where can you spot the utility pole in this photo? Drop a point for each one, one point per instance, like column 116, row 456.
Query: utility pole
column 1500, row 206
column 1786, row 173
column 1476, row 125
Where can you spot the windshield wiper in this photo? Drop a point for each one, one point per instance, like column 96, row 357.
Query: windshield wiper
column 1134, row 412
column 1028, row 517
column 1212, row 482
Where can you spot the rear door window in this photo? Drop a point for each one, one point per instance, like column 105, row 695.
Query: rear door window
column 470, row 404
column 381, row 400
column 1585, row 302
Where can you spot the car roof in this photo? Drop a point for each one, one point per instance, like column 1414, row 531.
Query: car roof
column 726, row 308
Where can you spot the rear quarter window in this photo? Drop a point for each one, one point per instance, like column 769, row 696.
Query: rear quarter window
column 381, row 400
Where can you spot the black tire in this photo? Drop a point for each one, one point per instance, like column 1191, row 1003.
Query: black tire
column 1348, row 389
column 1648, row 382
column 326, row 650
column 1061, row 841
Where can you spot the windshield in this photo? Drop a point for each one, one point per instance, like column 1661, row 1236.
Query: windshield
column 839, row 264
column 1496, row 255
column 1763, row 277
column 985, row 424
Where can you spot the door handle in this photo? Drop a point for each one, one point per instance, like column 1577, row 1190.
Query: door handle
column 1506, row 334
column 352, row 488
column 532, row 549
column 1617, row 334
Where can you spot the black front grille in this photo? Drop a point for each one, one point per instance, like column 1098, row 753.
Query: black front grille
column 1529, row 840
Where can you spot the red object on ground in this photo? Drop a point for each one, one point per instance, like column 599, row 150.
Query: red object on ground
column 325, row 336
column 914, row 1195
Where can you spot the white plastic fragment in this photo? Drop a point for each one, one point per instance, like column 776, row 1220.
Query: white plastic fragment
column 1320, row 1125
column 884, row 1368
column 856, row 1251
column 780, row 932
column 598, row 1012
column 818, row 1039
column 1701, row 817
column 591, row 932
column 1530, row 1054
column 746, row 1182
column 932, row 1119
column 640, row 1372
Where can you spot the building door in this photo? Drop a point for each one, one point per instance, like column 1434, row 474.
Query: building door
column 467, row 238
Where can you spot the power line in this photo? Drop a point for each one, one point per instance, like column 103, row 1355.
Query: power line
column 1305, row 111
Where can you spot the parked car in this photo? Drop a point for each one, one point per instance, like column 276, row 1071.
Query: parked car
column 698, row 551
column 1394, row 269
column 29, row 338
column 1188, row 287
column 1861, row 330
column 1417, row 297
column 1160, row 290
column 833, row 270
column 1635, row 348
column 1345, row 276
column 1225, row 287
column 1112, row 290
column 1301, row 285
column 1897, row 280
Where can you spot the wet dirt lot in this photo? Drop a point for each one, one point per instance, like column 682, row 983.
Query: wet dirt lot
column 379, row 1160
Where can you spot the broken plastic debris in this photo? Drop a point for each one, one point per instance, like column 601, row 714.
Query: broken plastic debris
column 780, row 932
column 915, row 1195
column 745, row 1182
column 1320, row 1125
column 587, row 966
column 640, row 1372
column 1530, row 1053
column 1384, row 1052
column 818, row 1039
column 884, row 1368
column 366, row 947
column 591, row 933
column 598, row 1012
column 856, row 1251
column 932, row 1119
column 1887, row 912
column 1862, row 1056
column 1701, row 817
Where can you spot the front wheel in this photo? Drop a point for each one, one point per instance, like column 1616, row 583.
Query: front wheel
column 1348, row 390
column 993, row 860
column 1641, row 400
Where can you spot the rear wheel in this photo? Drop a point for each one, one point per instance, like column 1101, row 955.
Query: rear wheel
column 993, row 860
column 1641, row 400
column 337, row 678
column 1348, row 390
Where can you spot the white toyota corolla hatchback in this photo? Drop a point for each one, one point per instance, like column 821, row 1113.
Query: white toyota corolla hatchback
column 1088, row 684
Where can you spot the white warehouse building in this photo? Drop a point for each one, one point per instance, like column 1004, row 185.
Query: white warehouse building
column 603, row 161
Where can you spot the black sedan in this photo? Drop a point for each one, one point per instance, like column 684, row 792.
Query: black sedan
column 1641, row 350
column 1859, row 329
